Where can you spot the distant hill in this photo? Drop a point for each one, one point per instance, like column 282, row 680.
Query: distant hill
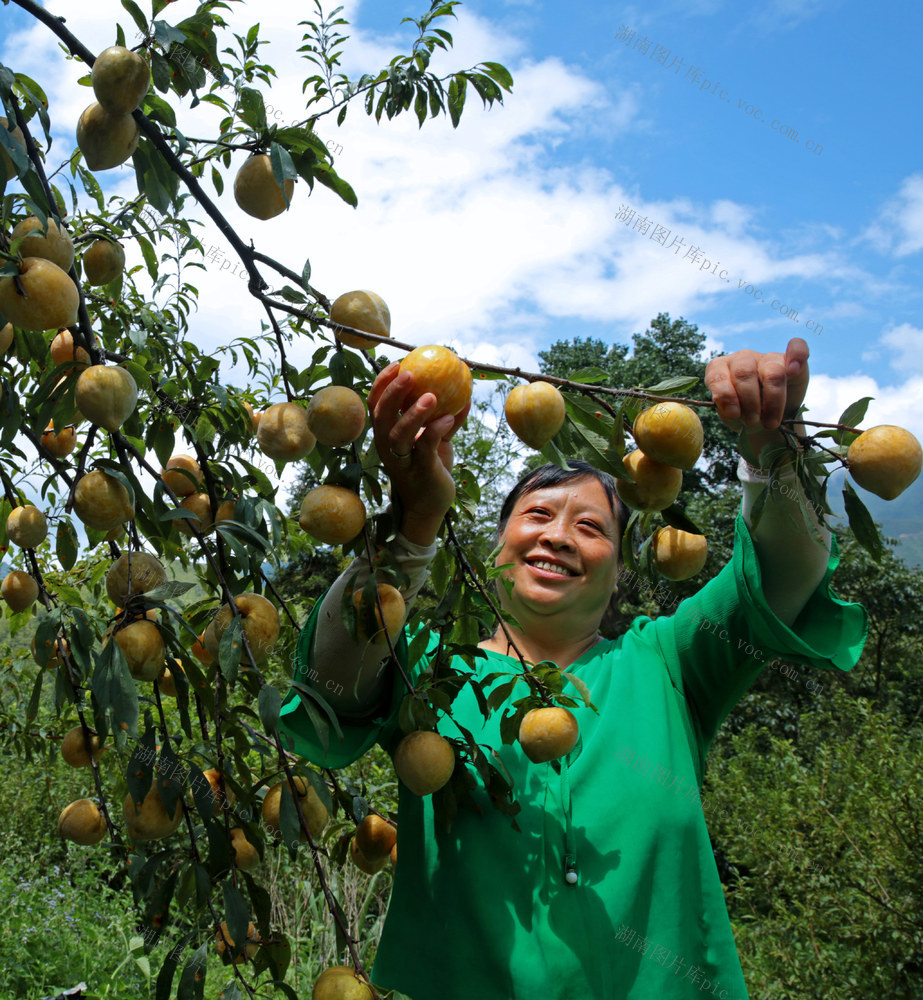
column 901, row 518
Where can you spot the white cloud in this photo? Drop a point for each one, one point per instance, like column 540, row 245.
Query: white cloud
column 906, row 347
column 898, row 404
column 900, row 228
column 477, row 237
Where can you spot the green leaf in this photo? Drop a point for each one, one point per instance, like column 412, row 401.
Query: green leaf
column 139, row 374
column 192, row 980
column 136, row 15
column 580, row 686
column 231, row 649
column 330, row 179
column 251, row 109
column 289, row 826
column 676, row 518
column 66, row 544
column 164, row 985
column 861, row 523
column 457, row 89
column 306, row 276
column 238, row 915
column 673, row 386
column 150, row 257
column 588, row 376
column 499, row 73
column 852, row 416
column 270, row 703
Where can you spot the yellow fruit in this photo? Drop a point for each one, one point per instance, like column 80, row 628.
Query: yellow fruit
column 392, row 603
column 106, row 395
column 283, row 433
column 670, row 433
column 106, row 140
column 82, row 822
column 63, row 350
column 375, row 837
column 535, row 412
column 655, row 485
column 332, row 514
column 442, row 372
column 678, row 555
column 340, row 983
column 6, row 162
column 143, row 648
column 254, row 417
column 200, row 652
column 336, row 415
column 150, row 820
column 6, row 338
column 245, row 855
column 224, row 941
column 256, row 190
column 19, row 590
column 361, row 310
column 103, row 262
column 200, row 509
column 393, row 855
column 26, row 527
column 59, row 445
column 225, row 511
column 74, row 751
column 121, row 79
column 182, row 485
column 167, row 680
column 146, row 574
column 49, row 299
column 364, row 863
column 548, row 733
column 315, row 812
column 101, row 501
column 54, row 659
column 260, row 623
column 219, row 799
column 424, row 761
column 55, row 245
column 885, row 460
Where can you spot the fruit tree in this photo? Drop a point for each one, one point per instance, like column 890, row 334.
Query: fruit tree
column 128, row 454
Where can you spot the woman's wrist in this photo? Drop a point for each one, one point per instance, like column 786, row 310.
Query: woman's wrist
column 421, row 529
column 758, row 438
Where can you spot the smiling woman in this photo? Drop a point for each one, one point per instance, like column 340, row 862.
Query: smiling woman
column 503, row 910
column 561, row 535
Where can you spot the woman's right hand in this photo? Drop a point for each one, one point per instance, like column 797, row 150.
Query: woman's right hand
column 415, row 451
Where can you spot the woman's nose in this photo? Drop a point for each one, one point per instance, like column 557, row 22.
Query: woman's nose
column 557, row 534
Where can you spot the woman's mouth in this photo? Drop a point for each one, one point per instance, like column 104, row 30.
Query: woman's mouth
column 549, row 567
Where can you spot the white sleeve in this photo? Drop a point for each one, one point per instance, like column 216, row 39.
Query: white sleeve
column 358, row 668
column 793, row 552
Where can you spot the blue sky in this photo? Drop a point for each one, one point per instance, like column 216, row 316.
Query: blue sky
column 502, row 237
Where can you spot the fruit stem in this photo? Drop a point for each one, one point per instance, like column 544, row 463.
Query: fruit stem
column 818, row 423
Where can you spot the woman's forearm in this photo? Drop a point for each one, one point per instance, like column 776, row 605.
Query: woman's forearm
column 793, row 551
column 353, row 677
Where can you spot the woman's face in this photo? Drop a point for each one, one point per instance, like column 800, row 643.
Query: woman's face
column 563, row 543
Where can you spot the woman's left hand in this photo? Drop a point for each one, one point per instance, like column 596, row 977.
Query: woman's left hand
column 755, row 391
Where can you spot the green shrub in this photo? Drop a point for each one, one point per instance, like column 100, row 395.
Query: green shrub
column 824, row 841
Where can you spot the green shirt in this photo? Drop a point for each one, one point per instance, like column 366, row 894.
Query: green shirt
column 488, row 913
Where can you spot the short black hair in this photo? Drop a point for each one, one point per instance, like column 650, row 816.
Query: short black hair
column 553, row 475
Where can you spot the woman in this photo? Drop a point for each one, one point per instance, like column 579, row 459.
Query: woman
column 604, row 885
